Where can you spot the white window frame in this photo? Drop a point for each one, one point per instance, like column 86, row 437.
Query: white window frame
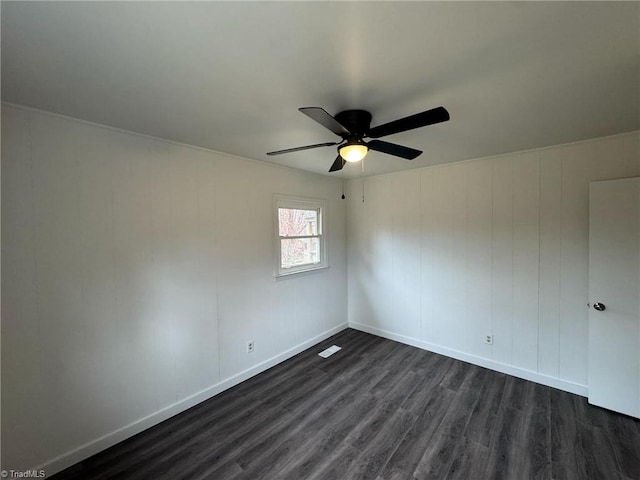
column 302, row 203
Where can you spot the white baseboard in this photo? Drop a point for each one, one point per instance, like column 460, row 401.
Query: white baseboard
column 85, row 451
column 565, row 385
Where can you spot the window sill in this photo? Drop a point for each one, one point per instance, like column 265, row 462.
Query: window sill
column 299, row 273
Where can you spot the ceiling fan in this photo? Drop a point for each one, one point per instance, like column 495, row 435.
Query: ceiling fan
column 354, row 126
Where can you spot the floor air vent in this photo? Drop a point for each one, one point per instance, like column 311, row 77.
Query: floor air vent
column 329, row 351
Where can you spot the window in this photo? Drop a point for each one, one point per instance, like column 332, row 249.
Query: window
column 300, row 240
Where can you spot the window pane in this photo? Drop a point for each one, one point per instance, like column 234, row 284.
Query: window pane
column 294, row 222
column 299, row 251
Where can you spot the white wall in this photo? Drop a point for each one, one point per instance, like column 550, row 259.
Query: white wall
column 134, row 272
column 442, row 256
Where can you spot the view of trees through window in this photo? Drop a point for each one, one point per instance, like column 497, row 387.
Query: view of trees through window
column 303, row 248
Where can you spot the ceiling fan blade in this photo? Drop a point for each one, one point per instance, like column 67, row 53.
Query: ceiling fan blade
column 338, row 164
column 325, row 119
column 306, row 147
column 393, row 149
column 435, row 115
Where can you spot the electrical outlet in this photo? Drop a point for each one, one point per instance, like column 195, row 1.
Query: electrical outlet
column 250, row 346
column 488, row 339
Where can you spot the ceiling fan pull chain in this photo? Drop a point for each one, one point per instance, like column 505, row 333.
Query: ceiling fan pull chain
column 363, row 190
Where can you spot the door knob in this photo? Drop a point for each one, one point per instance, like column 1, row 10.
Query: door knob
column 599, row 306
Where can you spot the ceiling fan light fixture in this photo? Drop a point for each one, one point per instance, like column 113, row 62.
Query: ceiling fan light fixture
column 353, row 151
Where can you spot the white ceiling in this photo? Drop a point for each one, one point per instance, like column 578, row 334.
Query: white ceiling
column 230, row 75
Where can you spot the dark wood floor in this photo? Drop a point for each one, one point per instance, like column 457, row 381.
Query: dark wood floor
column 378, row 409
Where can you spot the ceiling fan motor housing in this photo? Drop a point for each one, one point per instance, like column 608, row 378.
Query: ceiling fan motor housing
column 356, row 121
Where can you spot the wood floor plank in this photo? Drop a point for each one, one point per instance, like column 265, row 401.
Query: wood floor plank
column 381, row 410
column 220, row 435
column 334, row 400
column 507, row 456
column 306, row 416
column 538, row 396
column 237, row 429
column 469, row 461
column 445, row 444
column 536, row 441
column 567, row 457
column 600, row 461
column 455, row 376
column 231, row 471
column 313, row 451
column 138, row 445
column 482, row 421
column 431, row 363
column 397, row 392
column 396, row 369
column 515, row 393
column 338, row 462
column 420, row 435
column 381, row 447
column 625, row 441
column 207, row 424
column 283, row 456
column 429, row 383
column 371, row 424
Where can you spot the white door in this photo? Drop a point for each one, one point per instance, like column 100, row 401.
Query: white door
column 614, row 295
